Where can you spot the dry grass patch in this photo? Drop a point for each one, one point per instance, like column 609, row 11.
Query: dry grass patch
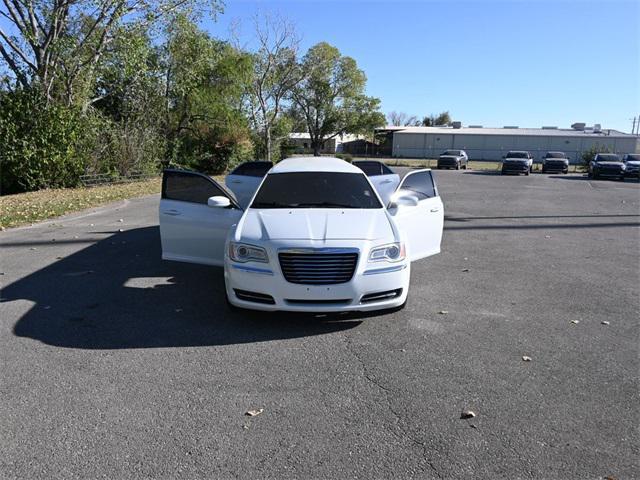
column 24, row 208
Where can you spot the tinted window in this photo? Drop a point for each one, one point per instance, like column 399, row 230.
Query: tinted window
column 607, row 157
column 253, row 169
column 452, row 152
column 518, row 155
column 633, row 158
column 373, row 168
column 420, row 183
column 189, row 187
column 316, row 190
column 555, row 155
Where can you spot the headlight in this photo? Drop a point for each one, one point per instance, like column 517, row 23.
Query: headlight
column 623, row 167
column 394, row 252
column 241, row 252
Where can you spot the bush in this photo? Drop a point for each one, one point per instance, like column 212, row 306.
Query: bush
column 589, row 155
column 345, row 156
column 37, row 143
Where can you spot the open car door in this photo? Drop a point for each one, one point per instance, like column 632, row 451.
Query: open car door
column 419, row 214
column 382, row 177
column 245, row 179
column 190, row 229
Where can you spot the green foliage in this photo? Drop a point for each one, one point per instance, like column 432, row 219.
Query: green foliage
column 432, row 120
column 345, row 156
column 331, row 97
column 37, row 143
column 589, row 155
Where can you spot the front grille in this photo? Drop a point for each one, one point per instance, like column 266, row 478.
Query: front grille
column 318, row 268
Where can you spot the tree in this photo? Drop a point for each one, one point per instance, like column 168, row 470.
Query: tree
column 331, row 96
column 275, row 74
column 57, row 42
column 204, row 80
column 437, row 120
column 401, row 119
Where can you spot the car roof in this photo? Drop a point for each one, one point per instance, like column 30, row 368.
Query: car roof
column 314, row 164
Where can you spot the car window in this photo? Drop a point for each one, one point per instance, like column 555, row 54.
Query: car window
column 517, row 155
column 555, row 155
column 419, row 183
column 252, row 169
column 607, row 157
column 316, row 190
column 189, row 187
column 452, row 152
column 372, row 169
column 633, row 158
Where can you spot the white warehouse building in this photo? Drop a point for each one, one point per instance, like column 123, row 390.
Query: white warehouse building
column 492, row 143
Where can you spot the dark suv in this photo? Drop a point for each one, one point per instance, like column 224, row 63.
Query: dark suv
column 555, row 162
column 607, row 165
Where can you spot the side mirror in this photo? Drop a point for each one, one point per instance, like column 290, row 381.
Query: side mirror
column 218, row 202
column 403, row 199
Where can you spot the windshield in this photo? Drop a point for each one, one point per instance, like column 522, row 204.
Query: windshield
column 607, row 158
column 452, row 152
column 517, row 155
column 633, row 158
column 316, row 190
column 555, row 155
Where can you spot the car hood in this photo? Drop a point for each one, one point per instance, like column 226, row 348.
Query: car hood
column 450, row 157
column 633, row 163
column 609, row 164
column 314, row 224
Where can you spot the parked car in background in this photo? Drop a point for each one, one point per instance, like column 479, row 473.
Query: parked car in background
column 382, row 177
column 517, row 161
column 243, row 181
column 453, row 159
column 607, row 165
column 632, row 164
column 555, row 162
column 315, row 237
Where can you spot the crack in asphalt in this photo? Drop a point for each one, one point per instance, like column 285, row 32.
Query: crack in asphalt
column 406, row 434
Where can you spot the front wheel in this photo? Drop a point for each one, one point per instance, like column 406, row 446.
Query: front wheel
column 457, row 166
column 527, row 173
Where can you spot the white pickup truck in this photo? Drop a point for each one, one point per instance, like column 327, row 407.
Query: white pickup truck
column 315, row 235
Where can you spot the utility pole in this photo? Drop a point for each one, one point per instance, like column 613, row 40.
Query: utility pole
column 633, row 127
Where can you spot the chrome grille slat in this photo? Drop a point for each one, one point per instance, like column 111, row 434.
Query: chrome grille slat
column 318, row 268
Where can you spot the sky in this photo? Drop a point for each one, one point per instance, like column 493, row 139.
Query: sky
column 491, row 63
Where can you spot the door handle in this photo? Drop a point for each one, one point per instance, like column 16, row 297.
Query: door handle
column 385, row 181
column 173, row 213
column 435, row 210
column 236, row 181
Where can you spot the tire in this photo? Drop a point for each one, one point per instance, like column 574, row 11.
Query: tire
column 465, row 166
column 457, row 166
column 564, row 172
column 527, row 173
column 595, row 176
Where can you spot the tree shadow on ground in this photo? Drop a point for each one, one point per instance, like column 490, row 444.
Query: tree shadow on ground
column 117, row 293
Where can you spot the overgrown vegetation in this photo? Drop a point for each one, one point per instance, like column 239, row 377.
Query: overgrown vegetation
column 124, row 86
column 589, row 155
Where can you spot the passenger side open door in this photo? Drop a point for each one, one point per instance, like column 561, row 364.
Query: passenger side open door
column 191, row 230
column 419, row 214
column 245, row 179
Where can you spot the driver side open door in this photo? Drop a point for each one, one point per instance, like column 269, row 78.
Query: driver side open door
column 190, row 230
column 420, row 223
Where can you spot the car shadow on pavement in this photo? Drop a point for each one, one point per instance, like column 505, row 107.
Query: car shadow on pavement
column 585, row 177
column 118, row 293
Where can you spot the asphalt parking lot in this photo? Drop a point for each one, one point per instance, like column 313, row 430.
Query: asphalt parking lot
column 117, row 364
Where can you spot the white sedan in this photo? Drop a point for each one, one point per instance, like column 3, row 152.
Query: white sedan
column 315, row 236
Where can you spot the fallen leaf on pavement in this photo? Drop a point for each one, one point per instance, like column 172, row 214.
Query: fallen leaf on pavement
column 467, row 414
column 465, row 269
column 526, row 358
column 254, row 413
column 443, row 312
column 604, row 322
column 575, row 322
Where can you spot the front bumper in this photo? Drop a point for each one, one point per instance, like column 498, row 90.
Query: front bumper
column 515, row 167
column 609, row 172
column 555, row 167
column 632, row 172
column 447, row 162
column 251, row 286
